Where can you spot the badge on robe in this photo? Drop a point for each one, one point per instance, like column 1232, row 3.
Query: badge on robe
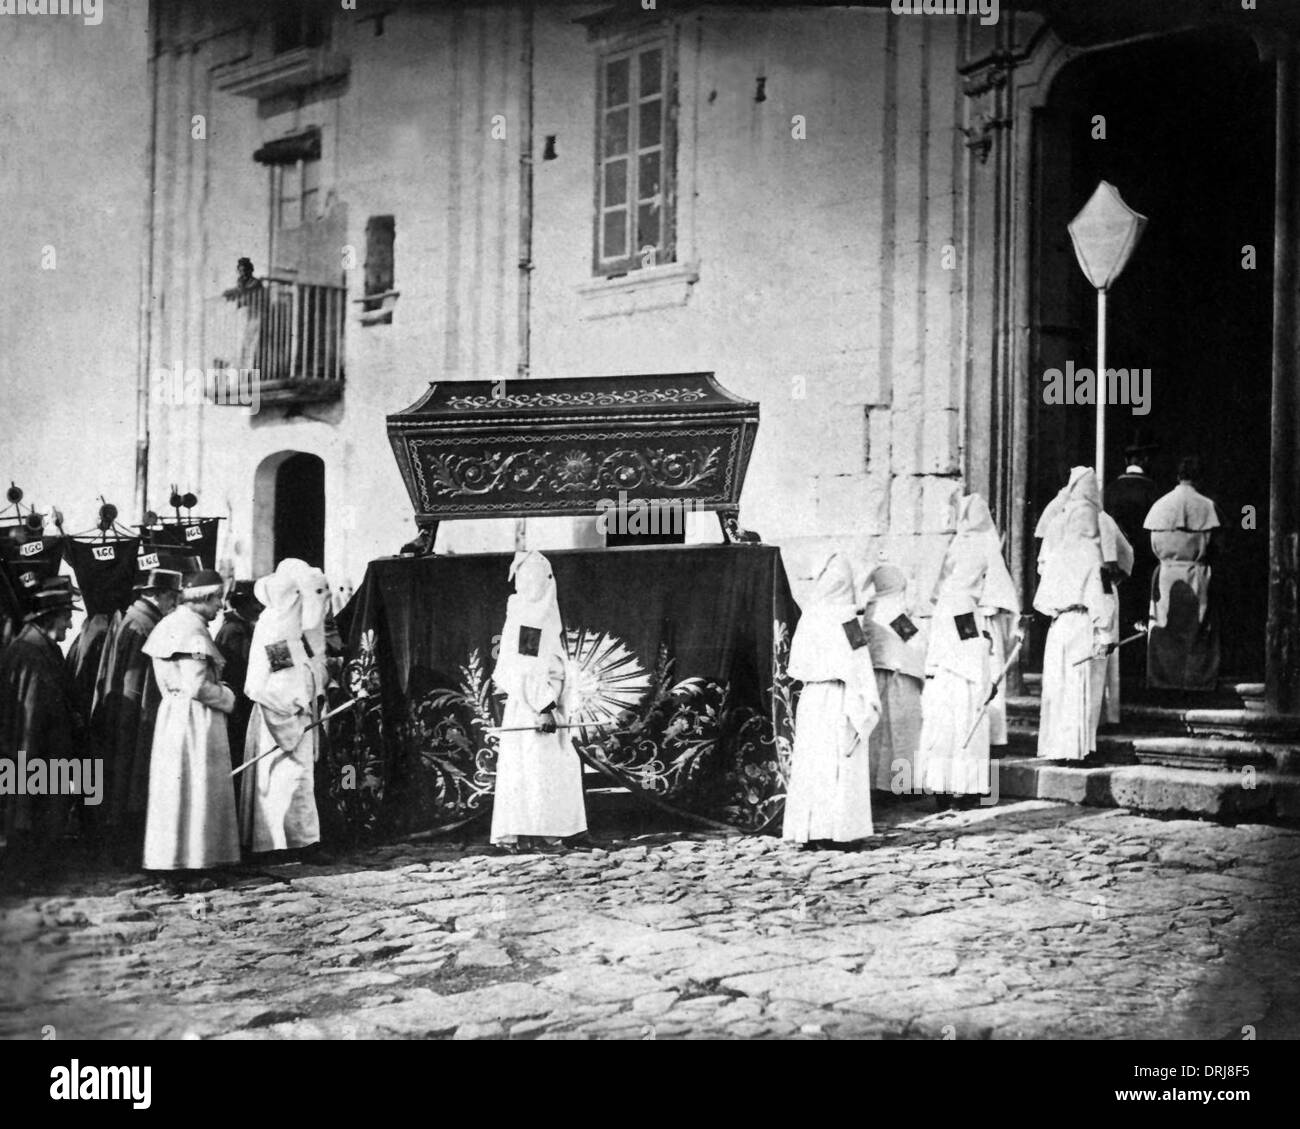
column 857, row 637
column 903, row 627
column 530, row 640
column 277, row 654
column 966, row 628
column 307, row 647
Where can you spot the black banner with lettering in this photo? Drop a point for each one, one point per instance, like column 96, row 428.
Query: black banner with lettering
column 105, row 572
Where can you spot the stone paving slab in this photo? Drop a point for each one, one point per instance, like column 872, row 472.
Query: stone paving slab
column 1030, row 920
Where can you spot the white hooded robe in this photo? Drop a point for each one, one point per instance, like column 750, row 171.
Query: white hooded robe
column 1071, row 592
column 278, row 809
column 829, row 793
column 959, row 672
column 539, row 790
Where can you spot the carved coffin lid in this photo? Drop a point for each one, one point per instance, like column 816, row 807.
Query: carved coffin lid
column 556, row 447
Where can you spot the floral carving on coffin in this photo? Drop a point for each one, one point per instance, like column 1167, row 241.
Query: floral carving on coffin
column 570, row 471
column 602, row 398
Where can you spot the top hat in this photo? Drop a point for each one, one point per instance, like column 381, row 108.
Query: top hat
column 1141, row 443
column 158, row 580
column 50, row 600
column 240, row 597
column 60, row 584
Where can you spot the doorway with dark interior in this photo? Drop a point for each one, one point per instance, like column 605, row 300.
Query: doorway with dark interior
column 299, row 523
column 1183, row 127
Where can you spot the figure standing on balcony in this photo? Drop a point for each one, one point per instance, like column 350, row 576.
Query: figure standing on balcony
column 247, row 294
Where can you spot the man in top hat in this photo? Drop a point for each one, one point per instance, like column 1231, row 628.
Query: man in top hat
column 233, row 641
column 39, row 718
column 125, row 704
column 1128, row 500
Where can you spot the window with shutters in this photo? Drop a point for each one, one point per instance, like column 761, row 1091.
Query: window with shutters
column 635, row 158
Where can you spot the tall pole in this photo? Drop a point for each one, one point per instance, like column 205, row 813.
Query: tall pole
column 144, row 335
column 1282, row 639
column 1100, row 455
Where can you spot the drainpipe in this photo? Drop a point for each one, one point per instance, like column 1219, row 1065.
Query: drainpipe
column 526, row 197
column 523, row 368
column 145, row 318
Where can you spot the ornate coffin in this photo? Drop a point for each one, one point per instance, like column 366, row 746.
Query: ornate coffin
column 573, row 446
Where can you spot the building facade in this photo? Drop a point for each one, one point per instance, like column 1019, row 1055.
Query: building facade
column 852, row 215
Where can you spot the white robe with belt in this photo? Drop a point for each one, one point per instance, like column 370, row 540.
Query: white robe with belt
column 278, row 809
column 1072, row 689
column 960, row 672
column 190, row 822
column 539, row 789
column 829, row 792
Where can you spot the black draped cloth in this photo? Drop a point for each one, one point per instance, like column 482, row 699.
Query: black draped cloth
column 105, row 571
column 28, row 558
column 682, row 650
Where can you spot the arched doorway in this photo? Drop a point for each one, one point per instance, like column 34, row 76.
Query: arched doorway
column 1188, row 141
column 289, row 500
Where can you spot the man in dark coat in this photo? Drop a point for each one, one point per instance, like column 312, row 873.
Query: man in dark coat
column 84, row 656
column 233, row 641
column 125, row 705
column 38, row 718
column 1128, row 500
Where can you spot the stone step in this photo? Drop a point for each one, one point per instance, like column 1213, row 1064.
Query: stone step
column 1178, row 751
column 1242, row 724
column 1235, row 796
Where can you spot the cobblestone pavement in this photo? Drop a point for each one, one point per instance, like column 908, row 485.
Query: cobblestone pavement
column 1028, row 920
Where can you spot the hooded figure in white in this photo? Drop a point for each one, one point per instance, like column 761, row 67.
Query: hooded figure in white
column 898, row 655
column 975, row 611
column 539, row 776
column 829, row 794
column 1074, row 666
column 286, row 679
column 1117, row 564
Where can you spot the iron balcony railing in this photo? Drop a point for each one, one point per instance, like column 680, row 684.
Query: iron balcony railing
column 280, row 329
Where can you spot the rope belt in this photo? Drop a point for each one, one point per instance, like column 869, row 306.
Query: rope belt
column 1072, row 608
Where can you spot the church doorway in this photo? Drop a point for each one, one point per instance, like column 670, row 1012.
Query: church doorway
column 1183, row 127
column 289, row 498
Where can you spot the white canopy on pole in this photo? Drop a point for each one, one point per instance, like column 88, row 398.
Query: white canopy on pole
column 1104, row 234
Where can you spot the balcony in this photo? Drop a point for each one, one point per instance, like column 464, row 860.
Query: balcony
column 289, row 334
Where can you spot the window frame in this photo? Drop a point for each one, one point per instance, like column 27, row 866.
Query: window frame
column 278, row 175
column 664, row 38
